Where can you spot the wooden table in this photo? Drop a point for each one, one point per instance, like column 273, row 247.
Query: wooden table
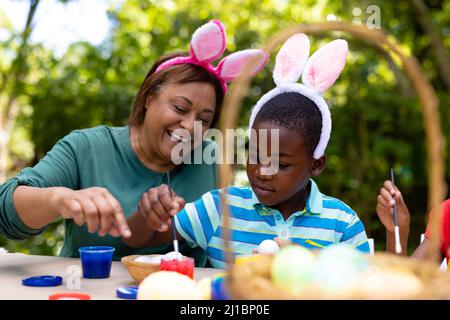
column 15, row 266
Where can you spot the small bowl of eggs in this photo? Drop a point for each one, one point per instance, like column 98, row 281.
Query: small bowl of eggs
column 140, row 266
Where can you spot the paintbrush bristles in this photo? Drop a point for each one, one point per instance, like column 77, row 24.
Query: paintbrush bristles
column 174, row 231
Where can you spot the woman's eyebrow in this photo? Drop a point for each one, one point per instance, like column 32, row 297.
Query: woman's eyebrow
column 185, row 99
column 209, row 110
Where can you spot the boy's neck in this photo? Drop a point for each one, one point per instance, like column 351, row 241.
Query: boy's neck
column 296, row 203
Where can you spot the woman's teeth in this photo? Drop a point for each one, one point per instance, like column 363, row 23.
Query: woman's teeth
column 176, row 138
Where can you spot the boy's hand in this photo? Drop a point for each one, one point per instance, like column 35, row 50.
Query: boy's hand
column 158, row 206
column 283, row 242
column 385, row 207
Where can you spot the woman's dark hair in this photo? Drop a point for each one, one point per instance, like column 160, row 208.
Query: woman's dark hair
column 178, row 74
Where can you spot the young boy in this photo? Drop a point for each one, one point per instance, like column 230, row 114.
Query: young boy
column 285, row 203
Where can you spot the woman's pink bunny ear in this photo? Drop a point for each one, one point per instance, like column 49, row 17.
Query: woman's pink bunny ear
column 208, row 42
column 291, row 59
column 231, row 66
column 325, row 65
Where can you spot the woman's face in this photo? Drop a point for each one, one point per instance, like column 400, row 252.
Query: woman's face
column 177, row 106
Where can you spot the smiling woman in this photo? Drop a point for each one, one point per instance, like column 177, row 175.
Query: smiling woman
column 96, row 178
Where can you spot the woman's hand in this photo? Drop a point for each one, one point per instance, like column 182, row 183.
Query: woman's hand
column 158, row 205
column 385, row 207
column 95, row 207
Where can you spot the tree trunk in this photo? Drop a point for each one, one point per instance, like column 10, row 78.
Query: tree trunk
column 440, row 52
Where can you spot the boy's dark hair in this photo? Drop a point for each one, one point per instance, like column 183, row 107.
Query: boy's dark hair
column 294, row 111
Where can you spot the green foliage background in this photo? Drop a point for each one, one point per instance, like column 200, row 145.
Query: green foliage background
column 376, row 116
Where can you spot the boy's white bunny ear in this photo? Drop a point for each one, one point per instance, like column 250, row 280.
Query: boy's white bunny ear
column 325, row 65
column 291, row 59
column 208, row 42
column 231, row 66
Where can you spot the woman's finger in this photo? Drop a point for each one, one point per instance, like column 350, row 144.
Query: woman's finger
column 119, row 218
column 114, row 231
column 90, row 213
column 106, row 212
column 145, row 202
column 73, row 209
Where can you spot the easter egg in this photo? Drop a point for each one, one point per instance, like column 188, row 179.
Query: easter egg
column 388, row 284
column 204, row 289
column 167, row 285
column 156, row 259
column 268, row 247
column 292, row 267
column 337, row 268
column 172, row 255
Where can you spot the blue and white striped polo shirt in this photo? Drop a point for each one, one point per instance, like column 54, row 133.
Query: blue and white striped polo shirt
column 324, row 221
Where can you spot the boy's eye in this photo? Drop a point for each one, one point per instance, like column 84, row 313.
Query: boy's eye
column 283, row 165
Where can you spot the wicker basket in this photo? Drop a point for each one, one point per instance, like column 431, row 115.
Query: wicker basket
column 140, row 270
column 252, row 280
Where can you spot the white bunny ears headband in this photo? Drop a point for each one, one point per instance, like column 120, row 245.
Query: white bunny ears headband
column 207, row 45
column 318, row 73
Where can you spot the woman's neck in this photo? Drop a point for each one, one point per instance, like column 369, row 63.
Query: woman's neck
column 294, row 204
column 145, row 153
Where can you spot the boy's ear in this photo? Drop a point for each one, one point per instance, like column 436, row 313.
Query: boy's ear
column 318, row 166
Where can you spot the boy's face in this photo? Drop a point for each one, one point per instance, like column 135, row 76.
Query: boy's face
column 296, row 166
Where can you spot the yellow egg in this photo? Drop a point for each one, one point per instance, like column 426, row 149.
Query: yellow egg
column 204, row 289
column 292, row 268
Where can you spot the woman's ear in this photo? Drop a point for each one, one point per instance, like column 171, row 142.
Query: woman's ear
column 147, row 101
column 318, row 166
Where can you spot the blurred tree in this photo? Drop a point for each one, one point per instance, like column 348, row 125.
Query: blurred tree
column 10, row 89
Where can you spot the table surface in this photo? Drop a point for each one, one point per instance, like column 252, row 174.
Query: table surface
column 15, row 266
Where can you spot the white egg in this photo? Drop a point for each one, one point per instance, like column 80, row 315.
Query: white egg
column 167, row 285
column 152, row 260
column 172, row 255
column 268, row 247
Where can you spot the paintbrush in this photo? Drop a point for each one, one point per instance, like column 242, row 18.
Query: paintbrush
column 398, row 246
column 174, row 231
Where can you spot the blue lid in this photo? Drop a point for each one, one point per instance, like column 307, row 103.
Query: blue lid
column 42, row 281
column 127, row 292
column 218, row 288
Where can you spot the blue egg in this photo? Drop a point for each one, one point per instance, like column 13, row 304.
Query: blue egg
column 338, row 266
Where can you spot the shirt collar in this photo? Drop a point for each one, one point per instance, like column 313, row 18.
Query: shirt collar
column 313, row 203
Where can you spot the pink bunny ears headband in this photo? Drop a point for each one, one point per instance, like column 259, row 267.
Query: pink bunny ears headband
column 208, row 44
column 318, row 73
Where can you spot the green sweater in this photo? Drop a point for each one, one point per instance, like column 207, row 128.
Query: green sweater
column 102, row 157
